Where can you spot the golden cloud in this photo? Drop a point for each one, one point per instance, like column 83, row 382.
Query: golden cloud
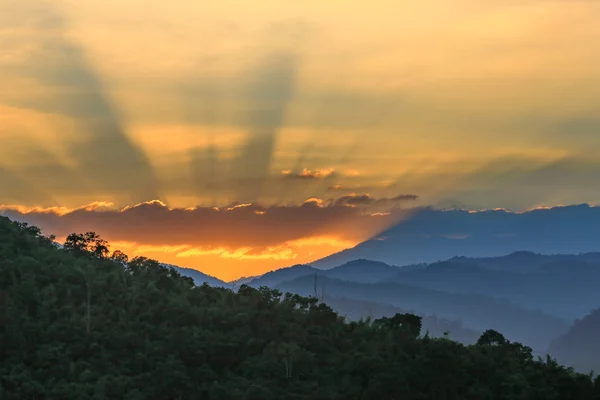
column 309, row 174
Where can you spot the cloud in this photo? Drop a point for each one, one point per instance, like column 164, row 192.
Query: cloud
column 240, row 226
column 17, row 188
column 402, row 197
column 68, row 85
column 47, row 173
column 60, row 211
column 538, row 182
column 263, row 93
column 366, row 199
column 308, row 174
column 213, row 124
column 581, row 131
column 361, row 188
column 356, row 199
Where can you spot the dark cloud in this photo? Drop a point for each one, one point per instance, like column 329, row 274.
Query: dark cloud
column 403, row 197
column 354, row 200
column 360, row 188
column 239, row 225
column 366, row 199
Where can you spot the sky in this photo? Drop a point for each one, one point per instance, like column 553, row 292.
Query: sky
column 236, row 137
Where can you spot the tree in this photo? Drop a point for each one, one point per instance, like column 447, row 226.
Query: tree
column 89, row 242
column 119, row 257
column 492, row 338
column 407, row 323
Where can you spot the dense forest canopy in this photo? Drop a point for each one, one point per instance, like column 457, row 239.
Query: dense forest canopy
column 82, row 322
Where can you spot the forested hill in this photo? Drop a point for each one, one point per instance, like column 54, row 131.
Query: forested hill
column 83, row 323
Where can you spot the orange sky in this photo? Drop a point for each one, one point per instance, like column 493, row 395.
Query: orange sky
column 471, row 103
column 230, row 242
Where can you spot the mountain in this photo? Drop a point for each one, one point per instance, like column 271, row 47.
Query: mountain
column 580, row 346
column 75, row 325
column 565, row 286
column 365, row 271
column 431, row 235
column 198, row 277
column 274, row 278
column 475, row 311
column 244, row 280
column 357, row 270
column 528, row 261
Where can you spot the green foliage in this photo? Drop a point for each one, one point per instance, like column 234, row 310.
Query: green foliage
column 80, row 324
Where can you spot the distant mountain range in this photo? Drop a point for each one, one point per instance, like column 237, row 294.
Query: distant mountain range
column 364, row 271
column 529, row 275
column 531, row 298
column 561, row 285
column 431, row 235
column 475, row 311
column 533, row 276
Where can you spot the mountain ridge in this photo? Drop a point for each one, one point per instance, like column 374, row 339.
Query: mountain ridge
column 431, row 235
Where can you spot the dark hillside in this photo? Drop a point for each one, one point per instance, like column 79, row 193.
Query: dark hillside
column 83, row 323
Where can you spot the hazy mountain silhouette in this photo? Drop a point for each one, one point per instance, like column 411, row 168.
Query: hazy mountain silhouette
column 354, row 310
column 565, row 285
column 431, row 235
column 531, row 297
column 528, row 261
column 477, row 312
column 364, row 271
column 275, row 277
column 580, row 346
